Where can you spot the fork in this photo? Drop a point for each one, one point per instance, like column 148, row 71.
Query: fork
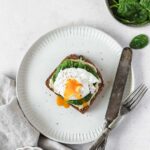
column 128, row 104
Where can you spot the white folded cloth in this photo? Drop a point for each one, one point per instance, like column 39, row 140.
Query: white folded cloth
column 16, row 133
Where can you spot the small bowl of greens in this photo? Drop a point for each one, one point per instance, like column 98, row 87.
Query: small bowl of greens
column 130, row 12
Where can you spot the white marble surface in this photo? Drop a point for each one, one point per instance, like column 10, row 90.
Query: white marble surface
column 22, row 22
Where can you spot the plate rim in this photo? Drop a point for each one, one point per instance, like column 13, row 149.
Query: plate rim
column 24, row 58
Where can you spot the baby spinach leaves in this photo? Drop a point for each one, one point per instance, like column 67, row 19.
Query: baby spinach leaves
column 134, row 12
column 68, row 63
column 139, row 41
column 80, row 101
column 145, row 4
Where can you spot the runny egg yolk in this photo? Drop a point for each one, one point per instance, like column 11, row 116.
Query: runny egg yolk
column 72, row 89
column 62, row 102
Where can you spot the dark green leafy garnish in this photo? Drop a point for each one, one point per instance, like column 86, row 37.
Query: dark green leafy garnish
column 133, row 12
column 139, row 41
column 80, row 101
column 74, row 64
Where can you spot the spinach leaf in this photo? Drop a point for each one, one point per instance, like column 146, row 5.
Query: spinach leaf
column 133, row 12
column 145, row 4
column 74, row 64
column 80, row 101
column 75, row 102
column 128, row 1
column 139, row 41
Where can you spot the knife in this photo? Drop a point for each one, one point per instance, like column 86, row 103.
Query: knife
column 117, row 91
column 119, row 85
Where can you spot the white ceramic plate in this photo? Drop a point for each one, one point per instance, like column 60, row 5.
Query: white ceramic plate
column 39, row 104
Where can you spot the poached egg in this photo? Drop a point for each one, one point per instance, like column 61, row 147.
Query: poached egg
column 74, row 83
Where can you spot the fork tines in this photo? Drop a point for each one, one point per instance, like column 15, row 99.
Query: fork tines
column 132, row 100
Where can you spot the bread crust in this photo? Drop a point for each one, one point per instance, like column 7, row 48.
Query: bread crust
column 100, row 86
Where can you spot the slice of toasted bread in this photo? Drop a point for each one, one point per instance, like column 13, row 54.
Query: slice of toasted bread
column 87, row 61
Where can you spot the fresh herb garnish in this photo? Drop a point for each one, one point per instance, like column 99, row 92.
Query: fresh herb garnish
column 133, row 12
column 80, row 101
column 68, row 63
column 139, row 41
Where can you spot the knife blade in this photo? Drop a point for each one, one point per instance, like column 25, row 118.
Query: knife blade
column 119, row 85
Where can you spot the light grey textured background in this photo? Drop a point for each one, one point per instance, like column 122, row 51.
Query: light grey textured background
column 22, row 22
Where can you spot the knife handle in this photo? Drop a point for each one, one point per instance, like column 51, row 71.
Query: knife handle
column 119, row 85
column 100, row 140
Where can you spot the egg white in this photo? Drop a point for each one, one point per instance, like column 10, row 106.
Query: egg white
column 81, row 75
